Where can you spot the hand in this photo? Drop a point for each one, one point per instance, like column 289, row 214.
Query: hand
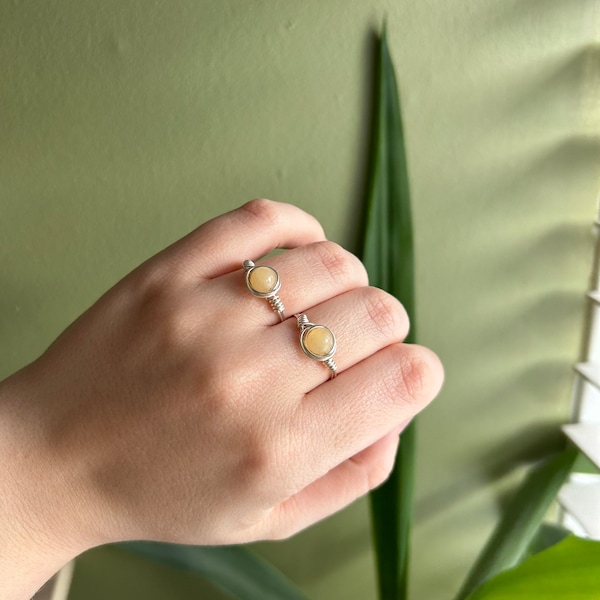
column 178, row 407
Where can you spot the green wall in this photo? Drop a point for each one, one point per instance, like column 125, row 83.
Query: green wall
column 124, row 124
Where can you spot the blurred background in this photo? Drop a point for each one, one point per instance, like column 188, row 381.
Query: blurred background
column 124, row 124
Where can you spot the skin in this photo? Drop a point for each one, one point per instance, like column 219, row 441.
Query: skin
column 178, row 408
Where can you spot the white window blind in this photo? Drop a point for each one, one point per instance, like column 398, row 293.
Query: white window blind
column 580, row 496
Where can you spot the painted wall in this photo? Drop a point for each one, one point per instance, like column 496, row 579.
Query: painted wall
column 125, row 124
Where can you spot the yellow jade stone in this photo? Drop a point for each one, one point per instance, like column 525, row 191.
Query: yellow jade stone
column 319, row 340
column 262, row 279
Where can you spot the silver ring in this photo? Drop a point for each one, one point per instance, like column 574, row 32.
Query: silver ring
column 318, row 342
column 264, row 282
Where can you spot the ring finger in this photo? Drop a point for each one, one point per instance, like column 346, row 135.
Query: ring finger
column 364, row 321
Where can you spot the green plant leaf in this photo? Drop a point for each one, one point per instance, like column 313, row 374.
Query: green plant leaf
column 388, row 242
column 234, row 569
column 570, row 569
column 391, row 516
column 548, row 535
column 515, row 531
column 389, row 258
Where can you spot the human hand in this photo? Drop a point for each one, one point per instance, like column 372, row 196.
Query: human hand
column 178, row 407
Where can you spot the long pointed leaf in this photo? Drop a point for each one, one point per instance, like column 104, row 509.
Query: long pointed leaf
column 234, row 569
column 389, row 259
column 515, row 531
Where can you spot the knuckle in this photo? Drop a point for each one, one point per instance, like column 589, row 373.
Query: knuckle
column 260, row 464
column 372, row 473
column 177, row 329
column 413, row 381
column 282, row 532
column 288, row 519
column 386, row 313
column 334, row 260
column 221, row 394
column 262, row 210
column 379, row 472
column 151, row 278
column 152, row 303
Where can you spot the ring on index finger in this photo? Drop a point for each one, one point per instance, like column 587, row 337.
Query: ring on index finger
column 264, row 282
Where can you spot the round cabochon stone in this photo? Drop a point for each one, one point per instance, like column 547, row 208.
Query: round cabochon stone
column 263, row 279
column 319, row 340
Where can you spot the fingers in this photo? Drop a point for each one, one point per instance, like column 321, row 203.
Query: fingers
column 310, row 274
column 315, row 273
column 339, row 487
column 364, row 321
column 341, row 417
column 249, row 232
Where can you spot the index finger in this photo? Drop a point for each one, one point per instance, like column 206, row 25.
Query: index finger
column 220, row 245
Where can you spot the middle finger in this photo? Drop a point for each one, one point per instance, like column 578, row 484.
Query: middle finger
column 309, row 275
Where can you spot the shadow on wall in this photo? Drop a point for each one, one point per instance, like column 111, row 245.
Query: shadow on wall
column 526, row 445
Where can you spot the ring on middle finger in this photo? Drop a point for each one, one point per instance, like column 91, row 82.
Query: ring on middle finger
column 318, row 342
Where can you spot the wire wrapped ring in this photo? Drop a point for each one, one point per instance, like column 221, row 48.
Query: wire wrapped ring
column 264, row 282
column 317, row 342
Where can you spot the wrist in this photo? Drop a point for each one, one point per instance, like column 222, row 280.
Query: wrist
column 36, row 539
